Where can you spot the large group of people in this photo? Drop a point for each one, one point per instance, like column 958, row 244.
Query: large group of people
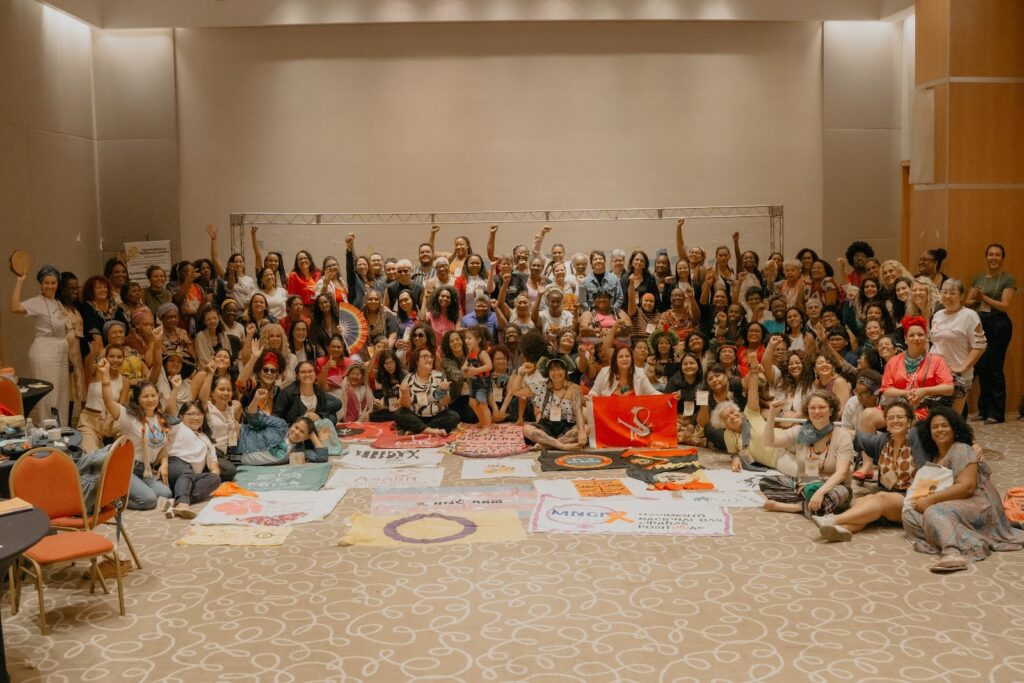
column 830, row 375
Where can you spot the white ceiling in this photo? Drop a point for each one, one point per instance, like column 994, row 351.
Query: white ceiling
column 120, row 14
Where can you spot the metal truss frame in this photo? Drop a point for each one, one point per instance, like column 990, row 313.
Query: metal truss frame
column 773, row 213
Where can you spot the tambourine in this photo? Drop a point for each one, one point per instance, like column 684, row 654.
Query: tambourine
column 20, row 262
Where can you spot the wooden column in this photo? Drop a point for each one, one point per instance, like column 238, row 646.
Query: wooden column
column 970, row 91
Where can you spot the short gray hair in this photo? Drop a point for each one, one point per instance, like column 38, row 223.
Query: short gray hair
column 716, row 413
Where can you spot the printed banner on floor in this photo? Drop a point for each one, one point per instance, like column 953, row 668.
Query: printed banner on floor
column 634, row 421
column 309, row 477
column 396, row 440
column 455, row 498
column 234, row 535
column 623, row 515
column 492, row 469
column 729, row 499
column 368, row 457
column 397, row 477
column 597, row 488
column 496, row 442
column 433, row 528
column 727, row 480
column 355, row 432
column 558, row 461
column 271, row 508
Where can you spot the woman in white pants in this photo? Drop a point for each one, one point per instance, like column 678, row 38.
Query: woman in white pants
column 48, row 355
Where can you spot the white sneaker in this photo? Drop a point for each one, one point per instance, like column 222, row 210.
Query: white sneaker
column 834, row 532
column 824, row 520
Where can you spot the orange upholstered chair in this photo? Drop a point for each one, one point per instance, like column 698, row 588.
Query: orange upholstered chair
column 111, row 495
column 48, row 479
column 10, row 396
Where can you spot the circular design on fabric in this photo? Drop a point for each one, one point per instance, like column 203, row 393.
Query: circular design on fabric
column 583, row 461
column 391, row 530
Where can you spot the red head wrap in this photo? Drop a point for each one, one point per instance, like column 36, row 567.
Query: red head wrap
column 271, row 358
column 913, row 321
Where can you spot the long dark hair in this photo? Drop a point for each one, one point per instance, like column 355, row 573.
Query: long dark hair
column 453, row 308
column 962, row 432
column 307, row 346
column 135, row 410
column 446, row 346
column 700, row 370
column 613, row 368
column 385, row 379
column 205, row 429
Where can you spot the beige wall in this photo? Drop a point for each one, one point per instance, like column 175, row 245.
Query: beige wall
column 517, row 116
column 47, row 151
column 137, row 137
column 862, row 98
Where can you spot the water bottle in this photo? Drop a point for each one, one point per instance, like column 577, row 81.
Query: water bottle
column 30, row 429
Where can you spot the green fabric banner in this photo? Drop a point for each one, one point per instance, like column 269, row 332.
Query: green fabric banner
column 309, row 477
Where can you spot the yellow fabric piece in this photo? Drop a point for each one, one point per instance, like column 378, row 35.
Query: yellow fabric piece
column 428, row 528
column 233, row 534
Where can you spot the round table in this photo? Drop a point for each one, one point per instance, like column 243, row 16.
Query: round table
column 32, row 391
column 19, row 531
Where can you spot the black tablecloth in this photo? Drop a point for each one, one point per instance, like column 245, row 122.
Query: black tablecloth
column 30, row 395
column 19, row 531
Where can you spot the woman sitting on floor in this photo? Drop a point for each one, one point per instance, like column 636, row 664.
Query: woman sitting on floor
column 193, row 471
column 898, row 453
column 424, row 400
column 821, row 454
column 140, row 420
column 386, row 375
column 305, row 397
column 561, row 424
column 268, row 440
column 965, row 522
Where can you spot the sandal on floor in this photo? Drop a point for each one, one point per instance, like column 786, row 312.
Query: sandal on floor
column 861, row 475
column 949, row 563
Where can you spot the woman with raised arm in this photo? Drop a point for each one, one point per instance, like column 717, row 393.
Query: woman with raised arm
column 193, row 469
column 695, row 256
column 302, row 280
column 273, row 260
column 141, row 421
column 266, row 439
column 48, row 354
column 815, row 458
column 990, row 295
column 965, row 522
column 238, row 285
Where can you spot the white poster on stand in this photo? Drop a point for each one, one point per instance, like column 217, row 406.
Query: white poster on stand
column 142, row 255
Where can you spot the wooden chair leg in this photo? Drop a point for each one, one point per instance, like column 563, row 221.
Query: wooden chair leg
column 120, row 586
column 42, row 602
column 131, row 548
column 10, row 585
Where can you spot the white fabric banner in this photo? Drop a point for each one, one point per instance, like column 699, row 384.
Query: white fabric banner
column 729, row 499
column 396, row 478
column 368, row 457
column 727, row 480
column 272, row 508
column 622, row 515
column 590, row 489
column 500, row 467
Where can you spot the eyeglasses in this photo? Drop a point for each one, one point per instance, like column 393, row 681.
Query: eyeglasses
column 419, row 335
column 269, row 371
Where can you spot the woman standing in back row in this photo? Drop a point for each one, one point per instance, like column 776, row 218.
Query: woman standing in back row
column 990, row 295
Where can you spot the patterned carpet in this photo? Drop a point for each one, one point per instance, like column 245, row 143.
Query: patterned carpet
column 772, row 603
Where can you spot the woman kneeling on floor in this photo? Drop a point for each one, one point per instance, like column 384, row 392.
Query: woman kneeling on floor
column 965, row 522
column 823, row 456
column 560, row 424
column 898, row 453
